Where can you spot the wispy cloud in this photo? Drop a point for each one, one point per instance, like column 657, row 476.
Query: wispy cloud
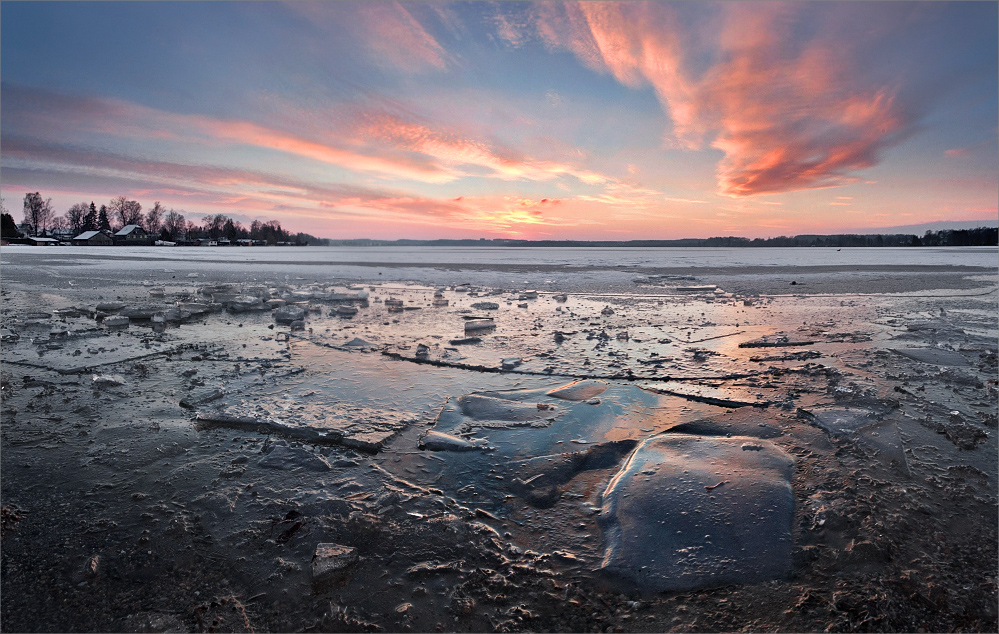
column 388, row 32
column 964, row 151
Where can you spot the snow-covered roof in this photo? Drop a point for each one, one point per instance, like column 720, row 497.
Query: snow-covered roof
column 86, row 235
column 36, row 239
column 127, row 229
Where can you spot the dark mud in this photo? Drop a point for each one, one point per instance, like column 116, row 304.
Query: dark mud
column 208, row 467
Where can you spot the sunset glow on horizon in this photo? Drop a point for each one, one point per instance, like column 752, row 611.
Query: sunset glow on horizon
column 609, row 121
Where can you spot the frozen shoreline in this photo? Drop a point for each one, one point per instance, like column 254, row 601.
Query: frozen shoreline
column 126, row 498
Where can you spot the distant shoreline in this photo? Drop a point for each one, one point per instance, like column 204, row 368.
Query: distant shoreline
column 979, row 237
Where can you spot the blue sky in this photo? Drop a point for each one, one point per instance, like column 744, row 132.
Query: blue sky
column 538, row 120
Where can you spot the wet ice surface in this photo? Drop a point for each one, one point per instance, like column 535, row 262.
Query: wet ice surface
column 549, row 450
column 687, row 511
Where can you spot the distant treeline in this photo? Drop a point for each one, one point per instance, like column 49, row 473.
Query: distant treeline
column 42, row 220
column 981, row 237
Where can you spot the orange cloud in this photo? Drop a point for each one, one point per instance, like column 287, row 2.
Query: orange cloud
column 454, row 150
column 787, row 117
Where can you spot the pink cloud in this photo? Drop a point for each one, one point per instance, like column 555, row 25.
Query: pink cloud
column 787, row 116
column 454, row 150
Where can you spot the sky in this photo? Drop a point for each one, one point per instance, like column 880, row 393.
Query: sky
column 546, row 120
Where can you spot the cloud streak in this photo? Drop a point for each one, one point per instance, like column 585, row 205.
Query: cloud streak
column 787, row 115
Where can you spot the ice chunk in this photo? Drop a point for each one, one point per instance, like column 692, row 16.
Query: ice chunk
column 579, row 390
column 357, row 342
column 479, row 324
column 481, row 407
column 936, row 356
column 688, row 511
column 118, row 321
column 436, row 441
column 109, row 379
column 331, row 563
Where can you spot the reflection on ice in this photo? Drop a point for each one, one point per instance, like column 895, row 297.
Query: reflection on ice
column 688, row 511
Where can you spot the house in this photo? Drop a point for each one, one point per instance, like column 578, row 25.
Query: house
column 131, row 234
column 93, row 239
column 42, row 242
column 62, row 235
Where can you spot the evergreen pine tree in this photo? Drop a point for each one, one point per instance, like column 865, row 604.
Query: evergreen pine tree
column 103, row 223
column 90, row 220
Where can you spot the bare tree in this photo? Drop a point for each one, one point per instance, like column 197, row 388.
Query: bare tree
column 214, row 225
column 192, row 229
column 76, row 217
column 37, row 213
column 174, row 224
column 126, row 212
column 133, row 213
column 154, row 218
column 116, row 210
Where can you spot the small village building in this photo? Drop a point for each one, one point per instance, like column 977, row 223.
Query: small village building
column 131, row 234
column 93, row 239
column 62, row 235
column 42, row 242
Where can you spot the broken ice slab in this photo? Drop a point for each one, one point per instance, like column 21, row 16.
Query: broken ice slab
column 485, row 306
column 779, row 340
column 244, row 303
column 510, row 363
column 108, row 380
column 118, row 321
column 538, row 479
column 704, row 288
column 437, row 441
column 690, row 511
column 331, row 564
column 479, row 324
column 141, row 312
column 267, row 425
column 873, row 427
column 365, row 429
column 740, row 422
column 464, row 341
column 493, row 406
column 935, row 356
column 579, row 390
column 357, row 342
column 369, row 441
column 200, row 398
column 289, row 314
column 528, row 295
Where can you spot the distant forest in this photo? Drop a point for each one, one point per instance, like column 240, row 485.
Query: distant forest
column 980, row 237
column 40, row 219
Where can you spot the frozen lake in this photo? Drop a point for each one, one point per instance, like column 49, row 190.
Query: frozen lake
column 570, row 257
